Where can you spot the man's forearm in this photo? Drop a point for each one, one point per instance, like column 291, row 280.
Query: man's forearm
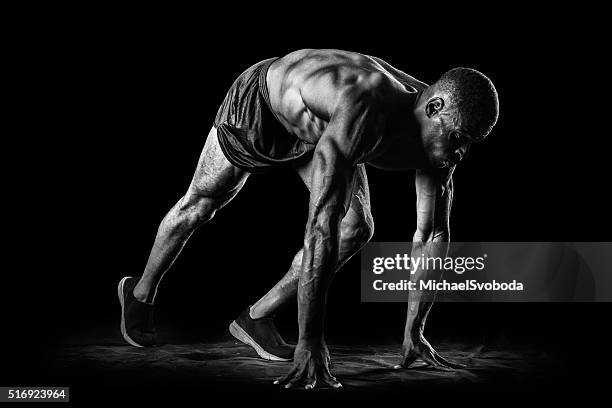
column 318, row 261
column 436, row 246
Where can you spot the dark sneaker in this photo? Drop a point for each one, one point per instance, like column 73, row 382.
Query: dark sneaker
column 136, row 317
column 261, row 334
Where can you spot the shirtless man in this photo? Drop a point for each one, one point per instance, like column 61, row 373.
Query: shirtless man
column 326, row 113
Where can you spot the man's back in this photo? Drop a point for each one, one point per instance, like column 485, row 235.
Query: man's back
column 305, row 86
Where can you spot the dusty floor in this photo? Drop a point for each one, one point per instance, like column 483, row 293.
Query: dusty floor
column 231, row 369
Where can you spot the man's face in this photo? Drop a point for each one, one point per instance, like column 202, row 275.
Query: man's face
column 445, row 144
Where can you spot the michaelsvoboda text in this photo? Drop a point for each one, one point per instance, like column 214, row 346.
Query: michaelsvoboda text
column 433, row 285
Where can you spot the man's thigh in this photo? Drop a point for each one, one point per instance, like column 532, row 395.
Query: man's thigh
column 215, row 176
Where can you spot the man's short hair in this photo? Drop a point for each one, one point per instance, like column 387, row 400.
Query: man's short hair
column 473, row 97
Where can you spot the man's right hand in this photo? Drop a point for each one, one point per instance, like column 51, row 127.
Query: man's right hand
column 310, row 367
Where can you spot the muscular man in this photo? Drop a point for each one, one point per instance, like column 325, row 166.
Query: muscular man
column 326, row 113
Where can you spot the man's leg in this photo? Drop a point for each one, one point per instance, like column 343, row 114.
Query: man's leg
column 255, row 326
column 215, row 182
column 357, row 229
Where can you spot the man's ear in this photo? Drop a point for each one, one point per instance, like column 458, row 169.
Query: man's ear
column 434, row 106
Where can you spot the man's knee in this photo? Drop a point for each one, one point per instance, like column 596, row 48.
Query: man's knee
column 358, row 231
column 192, row 211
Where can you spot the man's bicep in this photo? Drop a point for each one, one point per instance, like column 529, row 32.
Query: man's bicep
column 434, row 199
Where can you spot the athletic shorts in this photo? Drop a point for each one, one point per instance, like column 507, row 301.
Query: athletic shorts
column 249, row 133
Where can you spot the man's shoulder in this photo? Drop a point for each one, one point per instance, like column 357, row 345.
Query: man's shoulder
column 325, row 72
column 315, row 78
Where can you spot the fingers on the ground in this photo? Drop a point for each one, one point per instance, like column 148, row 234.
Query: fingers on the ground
column 296, row 379
column 284, row 380
column 310, row 377
column 407, row 361
column 330, row 380
column 433, row 359
column 449, row 363
column 436, row 364
column 311, row 381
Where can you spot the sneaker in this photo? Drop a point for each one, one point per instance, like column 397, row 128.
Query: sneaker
column 261, row 334
column 136, row 317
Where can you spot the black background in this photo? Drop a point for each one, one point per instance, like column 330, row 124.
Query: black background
column 128, row 102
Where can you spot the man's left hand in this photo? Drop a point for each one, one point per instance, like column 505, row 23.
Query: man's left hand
column 419, row 348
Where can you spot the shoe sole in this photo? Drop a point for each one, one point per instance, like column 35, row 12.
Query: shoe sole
column 243, row 336
column 121, row 300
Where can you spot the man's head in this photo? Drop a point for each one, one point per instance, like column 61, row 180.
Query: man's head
column 459, row 109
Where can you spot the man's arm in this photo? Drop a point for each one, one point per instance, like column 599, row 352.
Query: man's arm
column 434, row 198
column 334, row 160
column 338, row 150
column 434, row 189
column 331, row 186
